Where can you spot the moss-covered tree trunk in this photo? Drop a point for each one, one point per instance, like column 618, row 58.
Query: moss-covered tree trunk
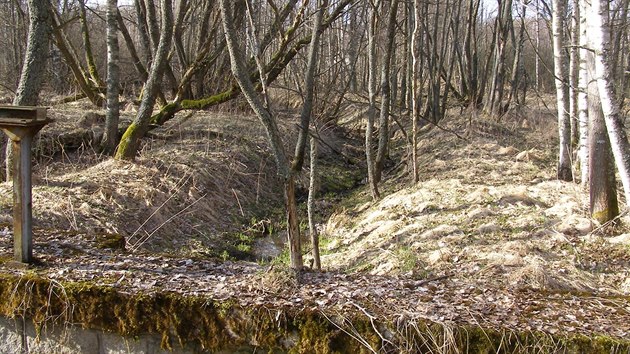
column 128, row 146
column 87, row 46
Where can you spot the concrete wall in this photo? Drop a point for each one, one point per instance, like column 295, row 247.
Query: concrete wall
column 74, row 339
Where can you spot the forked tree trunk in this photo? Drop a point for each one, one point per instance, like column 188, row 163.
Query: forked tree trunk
column 34, row 66
column 130, row 142
column 599, row 33
column 108, row 143
column 561, row 76
column 241, row 75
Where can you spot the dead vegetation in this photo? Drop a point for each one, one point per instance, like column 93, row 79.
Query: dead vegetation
column 487, row 209
column 195, row 181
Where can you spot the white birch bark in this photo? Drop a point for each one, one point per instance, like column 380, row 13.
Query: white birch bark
column 599, row 36
column 574, row 72
column 583, row 99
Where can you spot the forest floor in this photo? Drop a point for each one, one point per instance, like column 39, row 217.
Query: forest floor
column 488, row 237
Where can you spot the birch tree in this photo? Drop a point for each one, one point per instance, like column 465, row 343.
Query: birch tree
column 583, row 97
column 599, row 35
column 603, row 205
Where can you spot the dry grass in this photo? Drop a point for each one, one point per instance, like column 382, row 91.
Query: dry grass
column 195, row 180
column 487, row 209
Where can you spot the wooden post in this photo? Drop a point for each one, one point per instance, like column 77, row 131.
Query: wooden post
column 21, row 124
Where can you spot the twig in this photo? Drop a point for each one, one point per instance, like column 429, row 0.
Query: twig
column 371, row 317
column 145, row 238
column 352, row 335
column 238, row 201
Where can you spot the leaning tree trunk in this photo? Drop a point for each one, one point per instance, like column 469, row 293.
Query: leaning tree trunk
column 108, row 143
column 309, row 89
column 599, row 33
column 560, row 70
column 34, row 67
column 241, row 75
column 130, row 142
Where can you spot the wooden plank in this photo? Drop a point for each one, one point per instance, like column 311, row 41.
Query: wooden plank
column 22, row 112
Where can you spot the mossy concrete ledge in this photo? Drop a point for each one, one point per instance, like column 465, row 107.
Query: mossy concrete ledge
column 39, row 315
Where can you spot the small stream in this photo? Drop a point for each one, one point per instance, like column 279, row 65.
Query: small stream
column 270, row 246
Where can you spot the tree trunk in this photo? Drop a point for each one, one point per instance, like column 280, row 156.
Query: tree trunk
column 602, row 187
column 415, row 90
column 309, row 88
column 371, row 113
column 87, row 47
column 599, row 32
column 383, row 122
column 583, row 146
column 574, row 72
column 110, row 136
column 241, row 75
column 34, row 67
column 561, row 76
column 130, row 142
column 312, row 190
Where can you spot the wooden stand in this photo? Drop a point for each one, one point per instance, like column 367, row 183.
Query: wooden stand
column 21, row 124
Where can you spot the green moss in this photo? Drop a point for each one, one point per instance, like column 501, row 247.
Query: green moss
column 126, row 148
column 205, row 324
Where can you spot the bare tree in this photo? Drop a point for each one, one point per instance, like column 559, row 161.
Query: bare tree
column 386, row 92
column 241, row 75
column 128, row 146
